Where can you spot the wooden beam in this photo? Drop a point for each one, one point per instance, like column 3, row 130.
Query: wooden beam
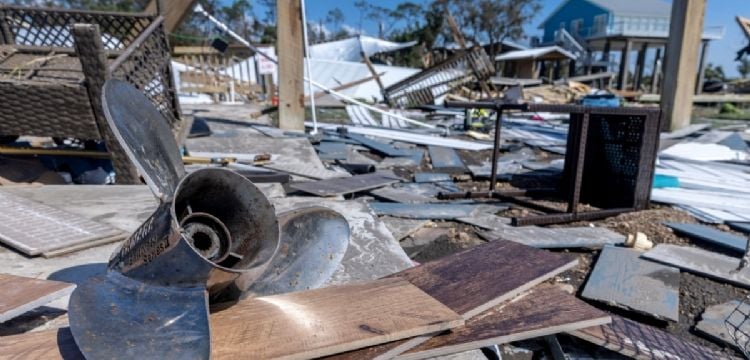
column 685, row 30
column 289, row 42
column 745, row 25
column 640, row 65
column 174, row 11
column 655, row 72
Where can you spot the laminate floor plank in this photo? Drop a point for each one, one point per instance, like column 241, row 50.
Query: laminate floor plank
column 543, row 310
column 21, row 294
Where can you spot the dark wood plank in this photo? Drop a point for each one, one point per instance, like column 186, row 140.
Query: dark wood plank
column 21, row 294
column 640, row 341
column 543, row 310
column 340, row 186
column 474, row 281
column 710, row 235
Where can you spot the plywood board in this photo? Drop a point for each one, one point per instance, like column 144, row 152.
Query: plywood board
column 640, row 341
column 717, row 266
column 34, row 228
column 710, row 235
column 543, row 310
column 474, row 281
column 299, row 325
column 377, row 146
column 21, row 294
column 332, row 187
column 624, row 280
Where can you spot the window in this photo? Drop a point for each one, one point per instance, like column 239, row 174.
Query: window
column 575, row 26
column 600, row 24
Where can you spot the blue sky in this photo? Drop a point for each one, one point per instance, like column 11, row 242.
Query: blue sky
column 718, row 12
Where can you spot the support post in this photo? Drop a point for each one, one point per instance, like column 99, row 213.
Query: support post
column 622, row 79
column 685, row 30
column 174, row 11
column 90, row 51
column 655, row 72
column 289, row 42
column 702, row 68
column 640, row 65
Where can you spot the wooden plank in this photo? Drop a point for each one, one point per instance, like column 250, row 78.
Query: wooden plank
column 717, row 266
column 710, row 235
column 624, row 280
column 474, row 281
column 322, row 322
column 298, row 325
column 685, row 29
column 740, row 226
column 21, row 294
column 401, row 228
column 544, row 310
column 34, row 228
column 424, row 177
column 289, row 46
column 713, row 324
column 640, row 341
column 174, row 12
column 377, row 146
column 341, row 186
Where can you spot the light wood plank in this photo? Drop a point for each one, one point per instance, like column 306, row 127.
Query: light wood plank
column 544, row 310
column 21, row 294
column 289, row 45
column 297, row 325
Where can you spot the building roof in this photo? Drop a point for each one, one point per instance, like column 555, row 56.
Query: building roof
column 547, row 52
column 650, row 8
column 350, row 49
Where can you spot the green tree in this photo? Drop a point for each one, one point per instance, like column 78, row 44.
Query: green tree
column 714, row 72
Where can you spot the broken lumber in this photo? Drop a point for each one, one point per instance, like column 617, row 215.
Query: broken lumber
column 22, row 294
column 710, row 235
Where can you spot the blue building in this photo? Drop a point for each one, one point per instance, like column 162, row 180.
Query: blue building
column 596, row 27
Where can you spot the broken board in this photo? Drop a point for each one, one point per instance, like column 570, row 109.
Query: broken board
column 701, row 262
column 473, row 281
column 22, row 294
column 401, row 228
column 713, row 322
column 640, row 341
column 298, row 325
column 622, row 279
column 34, row 228
column 543, row 310
column 332, row 187
column 710, row 235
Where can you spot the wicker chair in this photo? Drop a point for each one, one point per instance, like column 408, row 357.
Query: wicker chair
column 53, row 64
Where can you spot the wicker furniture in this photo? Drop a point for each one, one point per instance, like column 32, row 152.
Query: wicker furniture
column 54, row 62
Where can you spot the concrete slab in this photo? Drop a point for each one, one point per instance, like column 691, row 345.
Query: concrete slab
column 431, row 211
column 713, row 325
column 622, row 279
column 706, row 263
column 554, row 238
